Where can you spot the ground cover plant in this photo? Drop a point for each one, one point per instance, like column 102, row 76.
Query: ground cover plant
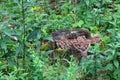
column 26, row 27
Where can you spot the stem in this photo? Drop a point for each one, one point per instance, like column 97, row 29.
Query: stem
column 23, row 22
column 95, row 67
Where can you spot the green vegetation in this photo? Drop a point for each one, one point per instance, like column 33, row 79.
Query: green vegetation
column 23, row 27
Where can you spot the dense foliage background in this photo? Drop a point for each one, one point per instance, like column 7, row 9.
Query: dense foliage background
column 24, row 25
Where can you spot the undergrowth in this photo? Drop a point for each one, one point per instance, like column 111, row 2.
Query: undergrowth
column 26, row 61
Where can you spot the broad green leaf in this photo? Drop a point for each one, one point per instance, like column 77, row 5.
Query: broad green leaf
column 116, row 63
column 78, row 24
column 48, row 38
column 110, row 57
column 11, row 62
column 39, row 35
column 87, row 2
column 7, row 32
column 94, row 29
column 19, row 49
column 49, row 52
column 109, row 67
column 116, row 74
column 4, row 46
column 34, row 35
